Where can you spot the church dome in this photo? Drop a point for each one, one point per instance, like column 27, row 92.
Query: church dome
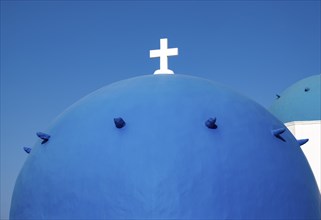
column 299, row 102
column 166, row 147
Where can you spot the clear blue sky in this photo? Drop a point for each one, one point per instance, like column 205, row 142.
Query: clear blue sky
column 55, row 52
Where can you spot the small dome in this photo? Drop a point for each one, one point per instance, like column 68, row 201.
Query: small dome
column 299, row 102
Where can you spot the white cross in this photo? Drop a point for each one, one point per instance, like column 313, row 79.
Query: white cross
column 163, row 54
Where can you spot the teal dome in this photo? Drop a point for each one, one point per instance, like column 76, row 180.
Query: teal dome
column 299, row 102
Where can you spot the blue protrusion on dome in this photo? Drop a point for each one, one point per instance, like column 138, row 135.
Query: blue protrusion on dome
column 211, row 123
column 27, row 149
column 119, row 122
column 45, row 137
column 303, row 141
column 277, row 133
column 299, row 102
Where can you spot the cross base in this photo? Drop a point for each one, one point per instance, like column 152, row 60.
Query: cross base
column 164, row 71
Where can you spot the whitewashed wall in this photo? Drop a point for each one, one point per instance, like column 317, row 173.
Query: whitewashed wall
column 312, row 131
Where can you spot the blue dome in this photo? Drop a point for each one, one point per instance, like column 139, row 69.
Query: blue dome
column 166, row 147
column 300, row 102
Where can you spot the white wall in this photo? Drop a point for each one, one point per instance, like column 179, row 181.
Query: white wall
column 312, row 131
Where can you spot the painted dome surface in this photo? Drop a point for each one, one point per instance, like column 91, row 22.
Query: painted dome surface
column 165, row 163
column 300, row 102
